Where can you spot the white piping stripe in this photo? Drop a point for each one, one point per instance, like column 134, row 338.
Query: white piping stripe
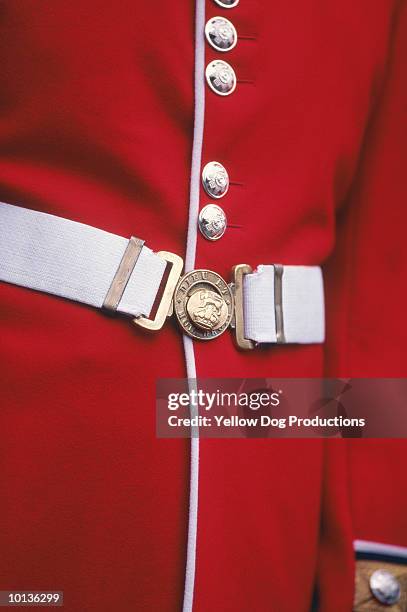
column 199, row 117
column 193, row 491
column 365, row 546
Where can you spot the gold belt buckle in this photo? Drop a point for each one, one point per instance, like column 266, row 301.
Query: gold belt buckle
column 204, row 304
column 164, row 309
column 238, row 274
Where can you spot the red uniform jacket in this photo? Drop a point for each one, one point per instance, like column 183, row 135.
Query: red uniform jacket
column 96, row 124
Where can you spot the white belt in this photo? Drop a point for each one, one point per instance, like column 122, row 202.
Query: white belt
column 274, row 304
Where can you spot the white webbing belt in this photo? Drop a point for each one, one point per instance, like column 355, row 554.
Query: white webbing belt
column 302, row 302
column 73, row 260
column 78, row 262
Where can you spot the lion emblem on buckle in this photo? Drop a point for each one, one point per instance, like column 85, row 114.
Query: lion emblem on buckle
column 207, row 309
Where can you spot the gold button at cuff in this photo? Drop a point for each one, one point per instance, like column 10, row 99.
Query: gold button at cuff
column 215, row 179
column 221, row 34
column 212, row 222
column 227, row 3
column 221, row 77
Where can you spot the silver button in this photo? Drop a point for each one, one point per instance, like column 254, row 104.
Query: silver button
column 212, row 222
column 221, row 77
column 215, row 179
column 227, row 3
column 385, row 587
column 221, row 34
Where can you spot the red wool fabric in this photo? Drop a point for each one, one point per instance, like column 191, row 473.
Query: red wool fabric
column 96, row 125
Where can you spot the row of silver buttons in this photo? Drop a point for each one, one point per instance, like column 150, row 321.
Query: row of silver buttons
column 221, row 35
column 212, row 219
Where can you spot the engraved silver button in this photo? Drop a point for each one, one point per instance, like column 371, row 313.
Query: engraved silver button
column 215, row 179
column 221, row 77
column 227, row 3
column 221, row 34
column 212, row 222
column 385, row 587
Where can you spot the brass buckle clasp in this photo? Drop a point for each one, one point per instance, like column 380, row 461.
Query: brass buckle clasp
column 165, row 307
column 238, row 273
column 213, row 307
